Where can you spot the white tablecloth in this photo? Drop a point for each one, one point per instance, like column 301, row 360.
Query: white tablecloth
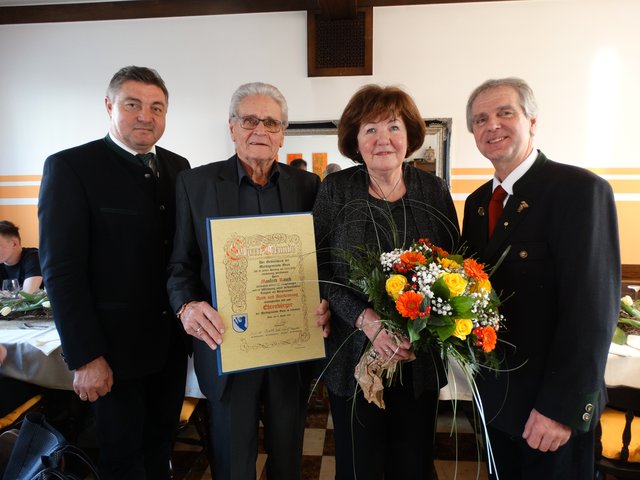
column 34, row 356
column 623, row 365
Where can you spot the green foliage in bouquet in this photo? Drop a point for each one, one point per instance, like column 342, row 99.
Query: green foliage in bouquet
column 432, row 297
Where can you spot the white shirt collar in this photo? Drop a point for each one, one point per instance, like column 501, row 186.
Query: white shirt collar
column 517, row 173
column 127, row 149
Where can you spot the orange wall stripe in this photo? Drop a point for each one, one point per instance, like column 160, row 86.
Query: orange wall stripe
column 20, row 178
column 629, row 235
column 472, row 171
column 25, row 216
column 625, row 186
column 465, row 186
column 19, row 192
column 616, row 171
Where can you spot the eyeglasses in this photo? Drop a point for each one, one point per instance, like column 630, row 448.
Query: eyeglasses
column 251, row 122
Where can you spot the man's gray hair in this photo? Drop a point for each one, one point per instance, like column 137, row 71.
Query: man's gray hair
column 525, row 93
column 262, row 89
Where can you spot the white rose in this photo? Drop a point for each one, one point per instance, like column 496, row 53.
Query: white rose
column 5, row 311
column 626, row 300
column 46, row 304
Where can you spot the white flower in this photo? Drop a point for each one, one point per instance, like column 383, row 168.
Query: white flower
column 46, row 304
column 5, row 311
column 627, row 301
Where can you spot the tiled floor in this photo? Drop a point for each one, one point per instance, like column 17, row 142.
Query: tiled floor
column 319, row 462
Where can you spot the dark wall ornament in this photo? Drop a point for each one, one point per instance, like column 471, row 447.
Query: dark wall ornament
column 340, row 46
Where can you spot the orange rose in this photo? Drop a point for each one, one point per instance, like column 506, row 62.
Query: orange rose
column 474, row 269
column 408, row 304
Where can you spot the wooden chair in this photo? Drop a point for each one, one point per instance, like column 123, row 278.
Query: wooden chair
column 618, row 435
column 11, row 419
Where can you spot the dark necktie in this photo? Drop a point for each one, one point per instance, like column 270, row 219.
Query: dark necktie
column 495, row 207
column 149, row 160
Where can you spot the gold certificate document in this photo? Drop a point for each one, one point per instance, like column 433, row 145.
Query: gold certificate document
column 265, row 287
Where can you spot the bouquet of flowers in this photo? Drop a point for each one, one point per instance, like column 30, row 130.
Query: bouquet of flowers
column 433, row 298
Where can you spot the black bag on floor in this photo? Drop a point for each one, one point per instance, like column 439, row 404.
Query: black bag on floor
column 42, row 453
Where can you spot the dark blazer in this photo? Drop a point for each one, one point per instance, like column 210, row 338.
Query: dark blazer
column 106, row 230
column 340, row 216
column 561, row 282
column 212, row 191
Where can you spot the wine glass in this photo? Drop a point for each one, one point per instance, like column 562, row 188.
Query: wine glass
column 11, row 285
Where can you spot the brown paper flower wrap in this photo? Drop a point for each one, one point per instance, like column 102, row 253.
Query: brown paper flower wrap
column 372, row 373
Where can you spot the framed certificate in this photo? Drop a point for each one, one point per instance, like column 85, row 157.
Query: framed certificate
column 264, row 279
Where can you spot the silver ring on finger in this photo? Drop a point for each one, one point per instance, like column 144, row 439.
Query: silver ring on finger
column 198, row 330
column 82, row 396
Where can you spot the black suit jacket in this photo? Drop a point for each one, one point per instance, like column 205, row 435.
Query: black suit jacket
column 106, row 230
column 212, row 191
column 341, row 214
column 561, row 282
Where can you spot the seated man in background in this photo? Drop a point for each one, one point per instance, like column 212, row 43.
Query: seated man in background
column 17, row 261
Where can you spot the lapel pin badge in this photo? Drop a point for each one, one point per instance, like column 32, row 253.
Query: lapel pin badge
column 523, row 205
column 481, row 211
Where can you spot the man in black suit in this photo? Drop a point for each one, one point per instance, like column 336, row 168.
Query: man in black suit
column 251, row 182
column 107, row 219
column 561, row 281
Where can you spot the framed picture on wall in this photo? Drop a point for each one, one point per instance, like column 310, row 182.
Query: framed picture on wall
column 433, row 155
column 320, row 136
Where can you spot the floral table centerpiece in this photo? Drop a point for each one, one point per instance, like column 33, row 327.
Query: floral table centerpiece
column 628, row 321
column 34, row 304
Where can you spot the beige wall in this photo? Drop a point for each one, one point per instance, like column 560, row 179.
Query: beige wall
column 580, row 56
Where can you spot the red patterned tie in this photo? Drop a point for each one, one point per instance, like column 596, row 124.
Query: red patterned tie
column 495, row 207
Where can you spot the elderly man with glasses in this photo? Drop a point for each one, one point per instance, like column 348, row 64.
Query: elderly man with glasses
column 251, row 182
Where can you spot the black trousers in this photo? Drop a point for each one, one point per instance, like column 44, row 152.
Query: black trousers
column 515, row 460
column 395, row 443
column 277, row 397
column 136, row 422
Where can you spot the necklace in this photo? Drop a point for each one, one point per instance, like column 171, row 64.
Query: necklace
column 379, row 189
